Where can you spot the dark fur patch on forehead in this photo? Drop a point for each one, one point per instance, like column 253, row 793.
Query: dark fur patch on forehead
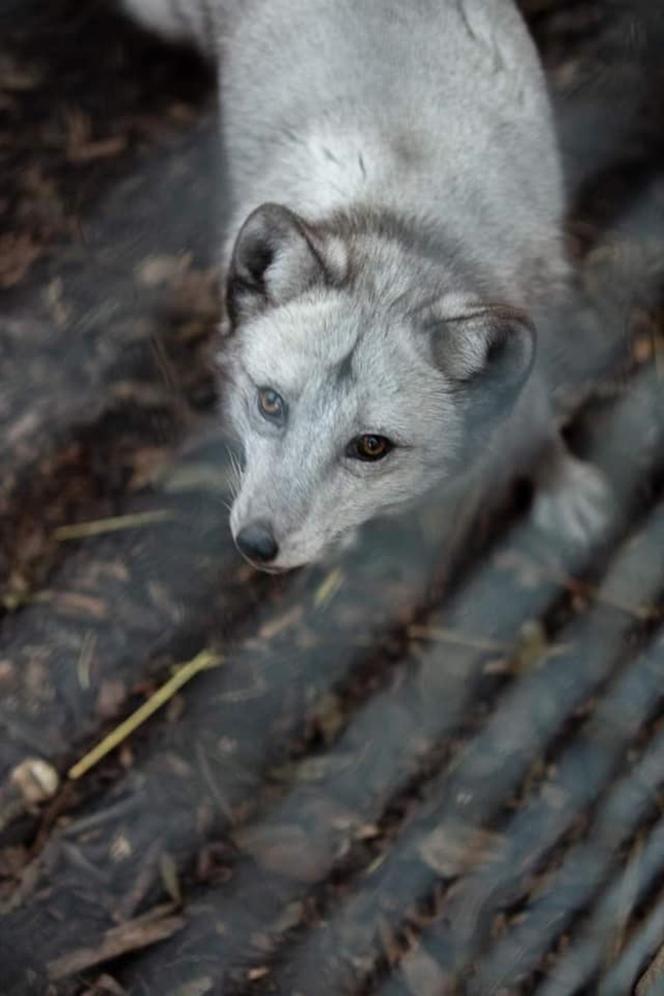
column 344, row 371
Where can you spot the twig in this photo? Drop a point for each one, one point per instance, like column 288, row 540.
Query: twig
column 206, row 659
column 328, row 587
column 82, row 530
column 440, row 635
column 644, row 613
column 154, row 926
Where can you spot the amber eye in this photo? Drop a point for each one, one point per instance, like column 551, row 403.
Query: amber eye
column 271, row 405
column 369, row 448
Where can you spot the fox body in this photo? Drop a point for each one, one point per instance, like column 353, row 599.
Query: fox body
column 395, row 239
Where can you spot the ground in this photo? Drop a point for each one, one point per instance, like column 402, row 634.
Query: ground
column 429, row 766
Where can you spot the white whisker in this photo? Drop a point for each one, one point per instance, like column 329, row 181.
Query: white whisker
column 236, row 475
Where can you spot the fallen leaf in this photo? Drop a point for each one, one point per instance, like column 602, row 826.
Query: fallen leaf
column 287, row 850
column 133, row 935
column 17, row 254
column 158, row 270
column 423, row 975
column 653, row 975
column 197, row 987
column 454, row 848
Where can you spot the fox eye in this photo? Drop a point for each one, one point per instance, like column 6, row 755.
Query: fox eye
column 369, row 448
column 271, row 405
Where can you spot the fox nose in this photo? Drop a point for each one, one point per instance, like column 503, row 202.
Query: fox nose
column 256, row 541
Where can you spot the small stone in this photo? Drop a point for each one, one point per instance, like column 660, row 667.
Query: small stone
column 36, row 780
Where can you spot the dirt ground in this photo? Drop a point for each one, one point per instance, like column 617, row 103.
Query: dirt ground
column 433, row 765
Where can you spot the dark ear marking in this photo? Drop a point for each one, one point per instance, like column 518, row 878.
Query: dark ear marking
column 276, row 257
column 487, row 355
column 494, row 340
column 257, row 257
column 511, row 345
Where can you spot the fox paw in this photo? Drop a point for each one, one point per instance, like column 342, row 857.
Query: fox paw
column 573, row 504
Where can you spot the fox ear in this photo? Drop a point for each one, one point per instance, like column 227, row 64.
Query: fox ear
column 488, row 354
column 276, row 257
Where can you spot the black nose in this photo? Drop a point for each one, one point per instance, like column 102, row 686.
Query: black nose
column 257, row 543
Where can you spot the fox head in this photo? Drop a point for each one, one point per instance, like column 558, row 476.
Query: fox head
column 367, row 362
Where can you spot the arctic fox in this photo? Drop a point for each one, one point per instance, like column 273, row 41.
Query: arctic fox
column 396, row 237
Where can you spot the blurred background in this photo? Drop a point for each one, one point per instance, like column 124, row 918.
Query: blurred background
column 433, row 765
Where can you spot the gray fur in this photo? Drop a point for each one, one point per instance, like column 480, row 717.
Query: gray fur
column 402, row 159
column 193, row 21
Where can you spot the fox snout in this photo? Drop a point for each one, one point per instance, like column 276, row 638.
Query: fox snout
column 257, row 544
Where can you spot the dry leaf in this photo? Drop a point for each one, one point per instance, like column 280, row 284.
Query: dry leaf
column 287, row 850
column 169, row 876
column 654, row 975
column 151, row 927
column 454, row 848
column 158, row 270
column 254, row 974
column 197, row 987
column 17, row 254
column 424, row 976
